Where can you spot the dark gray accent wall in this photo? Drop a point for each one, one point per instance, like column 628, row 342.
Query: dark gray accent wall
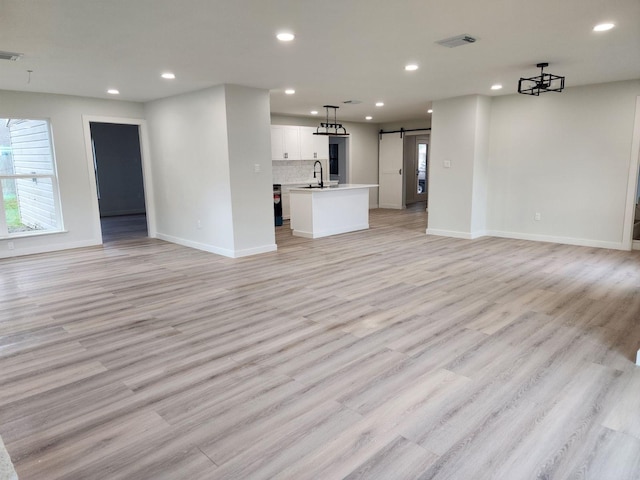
column 119, row 169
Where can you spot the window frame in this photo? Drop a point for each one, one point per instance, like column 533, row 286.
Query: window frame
column 55, row 192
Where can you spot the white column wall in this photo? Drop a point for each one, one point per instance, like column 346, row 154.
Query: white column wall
column 205, row 146
column 249, row 144
column 190, row 157
column 479, row 202
column 454, row 139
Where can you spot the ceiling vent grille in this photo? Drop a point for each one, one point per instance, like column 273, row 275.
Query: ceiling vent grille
column 10, row 56
column 457, row 41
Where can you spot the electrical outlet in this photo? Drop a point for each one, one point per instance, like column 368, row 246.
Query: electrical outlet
column 256, row 168
column 537, row 216
column 10, row 245
column 447, row 163
column 199, row 224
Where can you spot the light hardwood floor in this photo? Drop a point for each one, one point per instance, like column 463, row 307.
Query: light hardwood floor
column 382, row 354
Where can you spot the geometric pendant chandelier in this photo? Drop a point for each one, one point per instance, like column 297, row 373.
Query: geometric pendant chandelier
column 545, row 82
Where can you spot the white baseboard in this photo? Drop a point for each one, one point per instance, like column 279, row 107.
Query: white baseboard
column 582, row 242
column 392, row 207
column 217, row 250
column 331, row 231
column 455, row 234
column 255, row 251
column 533, row 237
column 18, row 252
column 635, row 245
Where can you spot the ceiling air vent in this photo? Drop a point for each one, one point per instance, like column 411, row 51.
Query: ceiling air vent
column 456, row 41
column 10, row 56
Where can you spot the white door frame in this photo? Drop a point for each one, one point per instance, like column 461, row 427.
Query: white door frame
column 347, row 155
column 427, row 134
column 634, row 171
column 146, row 168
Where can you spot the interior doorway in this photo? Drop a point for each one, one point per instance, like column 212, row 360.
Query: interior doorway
column 416, row 166
column 338, row 159
column 117, row 161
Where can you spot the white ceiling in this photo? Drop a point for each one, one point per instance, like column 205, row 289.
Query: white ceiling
column 351, row 49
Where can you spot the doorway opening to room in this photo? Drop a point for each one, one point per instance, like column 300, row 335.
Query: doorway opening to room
column 339, row 159
column 117, row 162
column 416, row 168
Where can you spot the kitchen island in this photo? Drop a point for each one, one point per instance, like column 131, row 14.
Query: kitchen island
column 320, row 212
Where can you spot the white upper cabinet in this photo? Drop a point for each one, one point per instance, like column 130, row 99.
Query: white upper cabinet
column 292, row 143
column 277, row 142
column 285, row 142
column 313, row 147
column 298, row 143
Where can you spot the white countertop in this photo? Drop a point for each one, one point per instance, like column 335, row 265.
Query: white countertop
column 307, row 182
column 344, row 186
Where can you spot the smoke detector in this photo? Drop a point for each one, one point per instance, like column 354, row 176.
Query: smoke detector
column 10, row 56
column 457, row 41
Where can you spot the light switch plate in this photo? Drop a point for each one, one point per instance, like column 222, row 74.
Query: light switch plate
column 256, row 168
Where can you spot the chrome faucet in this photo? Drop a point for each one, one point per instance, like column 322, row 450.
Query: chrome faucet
column 314, row 173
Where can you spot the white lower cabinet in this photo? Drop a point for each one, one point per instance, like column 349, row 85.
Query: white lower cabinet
column 285, row 198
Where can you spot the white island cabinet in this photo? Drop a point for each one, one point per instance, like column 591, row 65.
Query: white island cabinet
column 320, row 212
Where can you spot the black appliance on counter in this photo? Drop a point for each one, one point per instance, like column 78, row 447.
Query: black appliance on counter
column 277, row 203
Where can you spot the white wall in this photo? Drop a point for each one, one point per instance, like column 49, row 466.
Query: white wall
column 453, row 139
column 479, row 202
column 249, row 140
column 188, row 142
column 204, row 147
column 363, row 149
column 565, row 155
column 637, row 197
column 408, row 125
column 65, row 114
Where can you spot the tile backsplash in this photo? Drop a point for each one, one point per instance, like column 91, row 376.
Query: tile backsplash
column 296, row 171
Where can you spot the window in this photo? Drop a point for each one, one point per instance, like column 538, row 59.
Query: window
column 29, row 201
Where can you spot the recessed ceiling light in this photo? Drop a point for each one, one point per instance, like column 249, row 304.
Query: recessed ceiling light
column 314, row 112
column 411, row 67
column 497, row 86
column 603, row 27
column 368, row 117
column 289, row 91
column 168, row 75
column 285, row 36
column 113, row 91
column 430, row 111
column 379, row 104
